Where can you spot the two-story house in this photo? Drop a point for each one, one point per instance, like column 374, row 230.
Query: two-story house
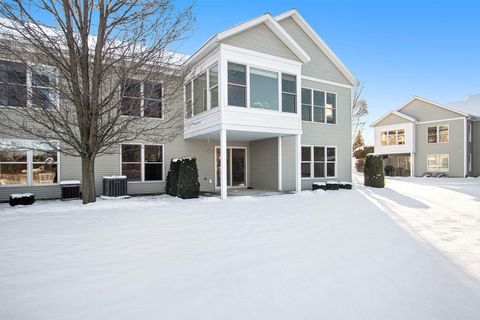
column 424, row 137
column 267, row 106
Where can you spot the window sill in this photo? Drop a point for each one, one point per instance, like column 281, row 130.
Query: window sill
column 323, row 123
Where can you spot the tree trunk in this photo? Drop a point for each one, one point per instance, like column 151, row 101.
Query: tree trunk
column 88, row 179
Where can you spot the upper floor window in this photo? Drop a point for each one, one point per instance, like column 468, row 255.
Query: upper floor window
column 438, row 134
column 237, row 85
column 201, row 93
column 142, row 99
column 24, row 162
column 470, row 132
column 263, row 89
column 392, row 137
column 289, row 93
column 319, row 106
column 16, row 80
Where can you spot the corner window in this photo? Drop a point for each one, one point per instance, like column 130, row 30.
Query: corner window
column 319, row 106
column 25, row 162
column 437, row 162
column 188, row 100
column 213, row 85
column 318, row 162
column 289, row 93
column 438, row 134
column 142, row 99
column 142, row 162
column 237, row 85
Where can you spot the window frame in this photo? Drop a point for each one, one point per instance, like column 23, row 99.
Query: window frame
column 386, row 133
column 29, row 85
column 312, row 106
column 438, row 157
column 294, row 94
column 142, row 98
column 143, row 162
column 438, row 133
column 30, row 150
column 325, row 162
column 208, row 87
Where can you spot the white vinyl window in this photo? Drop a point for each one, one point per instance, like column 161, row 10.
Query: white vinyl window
column 142, row 162
column 470, row 162
column 318, row 162
column 438, row 162
column 263, row 89
column 392, row 137
column 438, row 134
column 27, row 162
column 319, row 106
column 201, row 93
column 142, row 99
column 469, row 132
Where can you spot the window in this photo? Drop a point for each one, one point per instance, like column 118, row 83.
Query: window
column 437, row 162
column 318, row 162
column 469, row 132
column 188, row 100
column 43, row 86
column 319, row 106
column 200, row 94
column 263, row 89
column 237, row 85
column 142, row 162
column 392, row 137
column 25, row 162
column 142, row 99
column 437, row 134
column 289, row 93
column 213, row 85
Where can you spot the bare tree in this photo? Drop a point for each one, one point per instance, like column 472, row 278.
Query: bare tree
column 359, row 111
column 94, row 72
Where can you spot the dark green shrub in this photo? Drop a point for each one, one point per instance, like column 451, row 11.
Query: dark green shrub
column 172, row 177
column 373, row 171
column 188, row 186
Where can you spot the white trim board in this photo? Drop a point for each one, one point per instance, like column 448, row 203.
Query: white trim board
column 333, row 83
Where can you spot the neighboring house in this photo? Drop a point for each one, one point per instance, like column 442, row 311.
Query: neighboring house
column 268, row 106
column 427, row 137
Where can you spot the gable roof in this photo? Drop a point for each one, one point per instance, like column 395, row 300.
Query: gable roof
column 470, row 105
column 394, row 112
column 432, row 103
column 303, row 24
column 266, row 18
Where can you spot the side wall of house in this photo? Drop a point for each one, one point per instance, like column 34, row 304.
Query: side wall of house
column 264, row 164
column 476, row 148
column 455, row 147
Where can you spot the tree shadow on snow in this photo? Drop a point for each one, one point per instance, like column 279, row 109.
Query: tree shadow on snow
column 392, row 195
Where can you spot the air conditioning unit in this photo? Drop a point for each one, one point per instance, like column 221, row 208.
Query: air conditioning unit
column 70, row 189
column 115, row 186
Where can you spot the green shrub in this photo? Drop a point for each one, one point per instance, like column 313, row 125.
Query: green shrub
column 188, row 186
column 373, row 171
column 361, row 153
column 172, row 177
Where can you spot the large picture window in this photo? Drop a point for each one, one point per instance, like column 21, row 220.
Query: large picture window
column 318, row 162
column 319, row 106
column 438, row 162
column 438, row 134
column 25, row 162
column 263, row 89
column 142, row 99
column 17, row 79
column 142, row 162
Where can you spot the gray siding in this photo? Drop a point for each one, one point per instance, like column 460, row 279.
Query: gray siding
column 391, row 120
column 338, row 135
column 470, row 150
column 264, row 164
column 261, row 39
column 476, row 148
column 320, row 65
column 288, row 163
column 455, row 147
column 423, row 111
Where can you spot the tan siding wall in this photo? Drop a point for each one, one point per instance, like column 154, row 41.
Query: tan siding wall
column 423, row 111
column 261, row 39
column 264, row 164
column 392, row 119
column 320, row 66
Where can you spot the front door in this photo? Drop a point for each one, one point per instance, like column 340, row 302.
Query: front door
column 236, row 167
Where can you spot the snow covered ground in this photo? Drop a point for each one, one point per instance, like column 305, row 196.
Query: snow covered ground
column 409, row 251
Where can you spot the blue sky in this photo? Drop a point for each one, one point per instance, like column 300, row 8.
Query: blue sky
column 396, row 49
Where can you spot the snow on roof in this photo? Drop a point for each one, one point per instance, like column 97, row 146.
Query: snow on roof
column 470, row 105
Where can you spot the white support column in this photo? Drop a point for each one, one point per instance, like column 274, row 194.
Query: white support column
column 223, row 163
column 280, row 187
column 298, row 162
column 412, row 165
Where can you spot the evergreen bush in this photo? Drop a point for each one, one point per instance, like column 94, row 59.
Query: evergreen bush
column 172, row 177
column 188, row 186
column 373, row 171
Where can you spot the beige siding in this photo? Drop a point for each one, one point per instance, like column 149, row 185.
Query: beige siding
column 424, row 111
column 455, row 147
column 320, row 66
column 264, row 164
column 288, row 163
column 261, row 39
column 392, row 119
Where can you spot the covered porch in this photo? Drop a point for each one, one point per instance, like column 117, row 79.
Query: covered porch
column 398, row 164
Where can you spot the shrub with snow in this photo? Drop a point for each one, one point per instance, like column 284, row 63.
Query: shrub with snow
column 172, row 178
column 182, row 178
column 373, row 171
